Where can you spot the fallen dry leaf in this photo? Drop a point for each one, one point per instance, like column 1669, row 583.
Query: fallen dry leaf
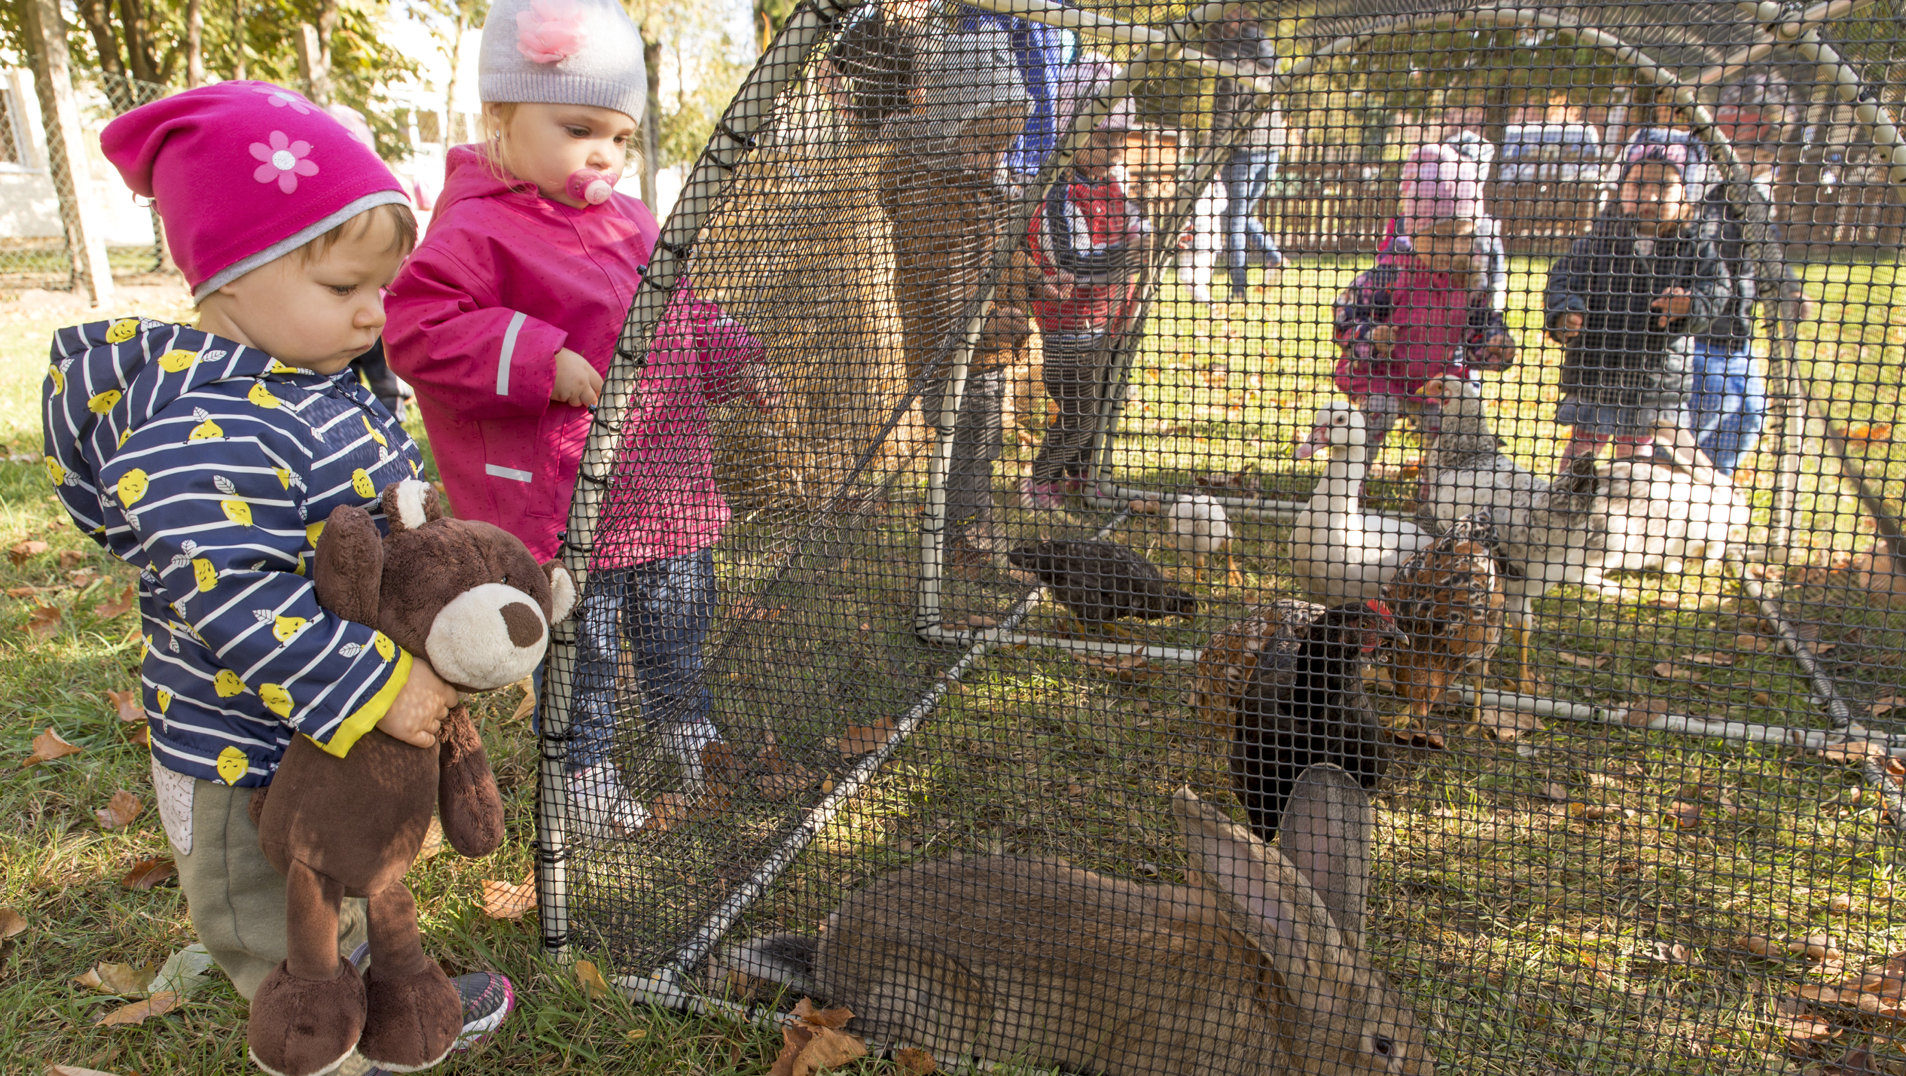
column 502, row 900
column 915, row 1062
column 119, row 811
column 1714, row 657
column 75, row 1070
column 43, row 622
column 1507, row 724
column 1669, row 670
column 1884, row 704
column 524, row 708
column 1644, row 712
column 71, row 558
column 118, row 606
column 139, row 735
column 121, row 980
column 24, row 592
column 863, row 739
column 812, row 1040
column 433, row 841
column 1414, row 737
column 1125, row 668
column 1686, row 814
column 148, row 873
column 138, row 1012
column 790, row 784
column 127, row 705
column 1800, row 1026
column 48, row 746
column 1854, row 751
column 593, row 984
column 11, row 923
column 1582, row 662
column 21, row 552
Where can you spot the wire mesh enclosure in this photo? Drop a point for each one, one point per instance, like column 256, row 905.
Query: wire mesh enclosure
column 1197, row 538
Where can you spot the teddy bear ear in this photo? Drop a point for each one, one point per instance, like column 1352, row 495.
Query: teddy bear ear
column 410, row 504
column 562, row 592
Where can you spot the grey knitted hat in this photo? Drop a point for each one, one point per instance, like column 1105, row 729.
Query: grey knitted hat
column 563, row 52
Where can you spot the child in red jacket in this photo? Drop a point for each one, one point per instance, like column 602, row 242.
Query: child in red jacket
column 1088, row 243
column 504, row 322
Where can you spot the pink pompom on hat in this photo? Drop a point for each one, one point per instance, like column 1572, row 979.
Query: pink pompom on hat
column 243, row 173
column 1439, row 183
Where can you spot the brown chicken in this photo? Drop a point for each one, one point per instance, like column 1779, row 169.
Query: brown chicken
column 1226, row 662
column 1449, row 605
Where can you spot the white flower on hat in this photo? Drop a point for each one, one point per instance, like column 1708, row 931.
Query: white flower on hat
column 550, row 31
column 279, row 97
column 284, row 160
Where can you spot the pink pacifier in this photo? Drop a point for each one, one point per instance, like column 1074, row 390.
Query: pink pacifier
column 591, row 186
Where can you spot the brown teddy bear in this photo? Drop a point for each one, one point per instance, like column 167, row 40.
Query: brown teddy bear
column 467, row 597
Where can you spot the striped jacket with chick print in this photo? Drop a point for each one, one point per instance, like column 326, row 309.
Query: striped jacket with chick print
column 211, row 468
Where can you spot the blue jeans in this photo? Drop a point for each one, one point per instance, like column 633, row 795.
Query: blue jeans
column 1729, row 405
column 1247, row 174
column 661, row 610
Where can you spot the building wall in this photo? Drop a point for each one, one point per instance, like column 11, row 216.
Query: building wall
column 29, row 209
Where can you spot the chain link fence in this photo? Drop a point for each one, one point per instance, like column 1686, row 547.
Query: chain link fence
column 35, row 248
column 1352, row 536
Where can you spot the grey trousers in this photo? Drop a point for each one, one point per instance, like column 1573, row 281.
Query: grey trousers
column 978, row 434
column 1077, row 375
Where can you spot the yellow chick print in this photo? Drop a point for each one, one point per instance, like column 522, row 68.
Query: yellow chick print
column 284, row 476
column 227, row 684
column 231, row 765
column 164, row 699
column 177, row 359
column 277, row 367
column 276, row 699
column 385, row 648
column 58, row 379
column 261, row 396
column 237, row 511
column 131, row 487
column 283, row 628
column 55, row 472
column 123, row 436
column 314, row 532
column 206, row 431
column 372, row 430
column 361, row 483
column 103, row 402
column 122, row 330
column 204, row 574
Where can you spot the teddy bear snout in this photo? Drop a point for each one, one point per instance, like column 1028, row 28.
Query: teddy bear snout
column 525, row 624
column 489, row 636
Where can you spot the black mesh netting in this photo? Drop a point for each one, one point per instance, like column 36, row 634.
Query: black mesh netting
column 1346, row 536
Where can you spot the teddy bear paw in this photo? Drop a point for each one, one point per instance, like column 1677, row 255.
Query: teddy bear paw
column 305, row 1027
column 414, row 1019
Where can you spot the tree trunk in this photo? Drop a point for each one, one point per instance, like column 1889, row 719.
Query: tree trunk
column 314, row 52
column 241, row 63
column 97, row 16
column 140, row 63
column 651, row 123
column 194, row 43
column 450, row 84
column 45, row 32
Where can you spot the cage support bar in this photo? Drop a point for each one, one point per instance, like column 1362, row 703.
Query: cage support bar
column 753, row 103
column 724, row 917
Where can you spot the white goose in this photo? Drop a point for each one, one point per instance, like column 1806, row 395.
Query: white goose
column 1339, row 552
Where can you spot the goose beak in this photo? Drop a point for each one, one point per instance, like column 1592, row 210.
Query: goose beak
column 1318, row 440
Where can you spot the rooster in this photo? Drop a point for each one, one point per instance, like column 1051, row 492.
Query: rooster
column 1548, row 534
column 1448, row 600
column 1304, row 703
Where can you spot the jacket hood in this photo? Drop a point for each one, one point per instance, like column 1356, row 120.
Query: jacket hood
column 468, row 173
column 107, row 378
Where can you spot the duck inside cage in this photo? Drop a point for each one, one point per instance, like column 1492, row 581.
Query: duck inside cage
column 1324, row 537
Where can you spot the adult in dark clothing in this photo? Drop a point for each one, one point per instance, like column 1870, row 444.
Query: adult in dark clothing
column 939, row 186
column 1628, row 298
column 1041, row 54
column 1256, row 140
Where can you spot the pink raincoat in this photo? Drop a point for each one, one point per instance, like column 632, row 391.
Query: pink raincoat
column 504, row 279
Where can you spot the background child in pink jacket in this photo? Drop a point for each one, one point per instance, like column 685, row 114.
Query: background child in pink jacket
column 1428, row 307
column 505, row 320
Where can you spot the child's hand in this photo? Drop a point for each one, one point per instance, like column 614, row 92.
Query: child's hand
column 416, row 714
column 577, row 382
column 1671, row 306
column 1498, row 352
column 1383, row 340
column 1056, row 287
column 763, row 388
column 1568, row 325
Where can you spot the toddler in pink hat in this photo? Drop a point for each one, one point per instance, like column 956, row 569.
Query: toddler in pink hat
column 208, row 456
column 1428, row 308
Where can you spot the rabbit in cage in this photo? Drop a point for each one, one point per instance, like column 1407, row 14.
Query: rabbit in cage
column 1257, row 965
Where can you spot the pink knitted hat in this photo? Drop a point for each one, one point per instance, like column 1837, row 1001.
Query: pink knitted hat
column 1439, row 183
column 243, row 173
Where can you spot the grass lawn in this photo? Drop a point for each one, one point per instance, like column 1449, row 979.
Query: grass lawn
column 1576, row 900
